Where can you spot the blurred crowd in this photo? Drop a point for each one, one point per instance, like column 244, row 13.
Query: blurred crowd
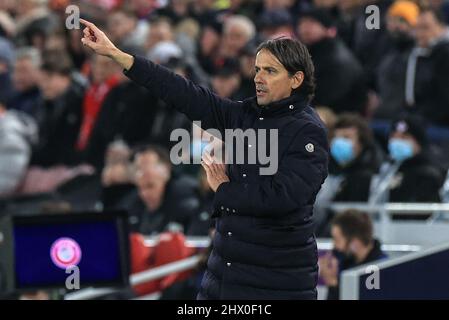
column 77, row 134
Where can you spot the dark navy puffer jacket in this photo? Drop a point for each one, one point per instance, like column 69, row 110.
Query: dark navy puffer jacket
column 264, row 246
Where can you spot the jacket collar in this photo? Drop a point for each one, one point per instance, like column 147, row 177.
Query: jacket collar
column 292, row 104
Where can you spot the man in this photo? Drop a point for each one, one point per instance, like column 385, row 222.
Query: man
column 162, row 199
column 428, row 69
column 418, row 178
column 25, row 81
column 354, row 156
column 390, row 78
column 355, row 159
column 339, row 76
column 264, row 247
column 59, row 114
column 354, row 245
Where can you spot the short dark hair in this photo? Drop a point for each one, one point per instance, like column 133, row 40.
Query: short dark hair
column 440, row 17
column 58, row 62
column 294, row 56
column 352, row 120
column 161, row 152
column 355, row 224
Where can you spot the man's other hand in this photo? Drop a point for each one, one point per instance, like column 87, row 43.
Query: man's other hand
column 215, row 171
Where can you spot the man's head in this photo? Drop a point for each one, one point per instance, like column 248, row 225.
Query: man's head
column 26, row 69
column 430, row 26
column 351, row 135
column 55, row 75
column 161, row 30
column 283, row 67
column 274, row 23
column 103, row 68
column 153, row 171
column 315, row 26
column 402, row 17
column 237, row 31
column 352, row 232
column 227, row 80
column 407, row 137
column 120, row 24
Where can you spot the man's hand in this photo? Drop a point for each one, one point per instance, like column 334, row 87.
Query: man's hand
column 95, row 39
column 328, row 265
column 216, row 172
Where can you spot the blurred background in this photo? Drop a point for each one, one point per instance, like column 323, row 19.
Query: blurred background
column 77, row 136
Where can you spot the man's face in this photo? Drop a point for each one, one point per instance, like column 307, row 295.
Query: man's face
column 225, row 86
column 311, row 31
column 352, row 134
column 103, row 68
column 53, row 85
column 427, row 29
column 407, row 137
column 120, row 25
column 398, row 25
column 340, row 242
column 151, row 179
column 25, row 75
column 272, row 80
column 234, row 40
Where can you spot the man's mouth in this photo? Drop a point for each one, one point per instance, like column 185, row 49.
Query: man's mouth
column 260, row 91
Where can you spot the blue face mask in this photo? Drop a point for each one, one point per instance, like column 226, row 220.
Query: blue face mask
column 400, row 149
column 342, row 150
column 197, row 148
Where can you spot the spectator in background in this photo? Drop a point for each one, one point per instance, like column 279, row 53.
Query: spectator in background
column 25, row 79
column 354, row 161
column 226, row 81
column 161, row 30
column 354, row 156
column 354, row 245
column 369, row 45
column 125, row 29
column 34, row 22
column 6, row 66
column 209, row 44
column 427, row 75
column 418, row 179
column 339, row 76
column 18, row 133
column 176, row 10
column 59, row 114
column 276, row 23
column 237, row 32
column 247, row 60
column 117, row 176
column 162, row 200
column 401, row 21
column 105, row 76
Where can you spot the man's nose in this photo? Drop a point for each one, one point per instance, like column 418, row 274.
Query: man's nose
column 258, row 79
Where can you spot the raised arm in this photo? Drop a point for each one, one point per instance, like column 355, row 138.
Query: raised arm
column 196, row 102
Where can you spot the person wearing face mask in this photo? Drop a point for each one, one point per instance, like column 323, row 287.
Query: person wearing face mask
column 418, row 179
column 354, row 245
column 353, row 162
column 355, row 157
column 390, row 79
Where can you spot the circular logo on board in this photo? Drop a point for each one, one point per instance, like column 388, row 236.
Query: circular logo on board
column 65, row 252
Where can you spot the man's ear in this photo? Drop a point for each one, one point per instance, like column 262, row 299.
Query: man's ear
column 297, row 80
